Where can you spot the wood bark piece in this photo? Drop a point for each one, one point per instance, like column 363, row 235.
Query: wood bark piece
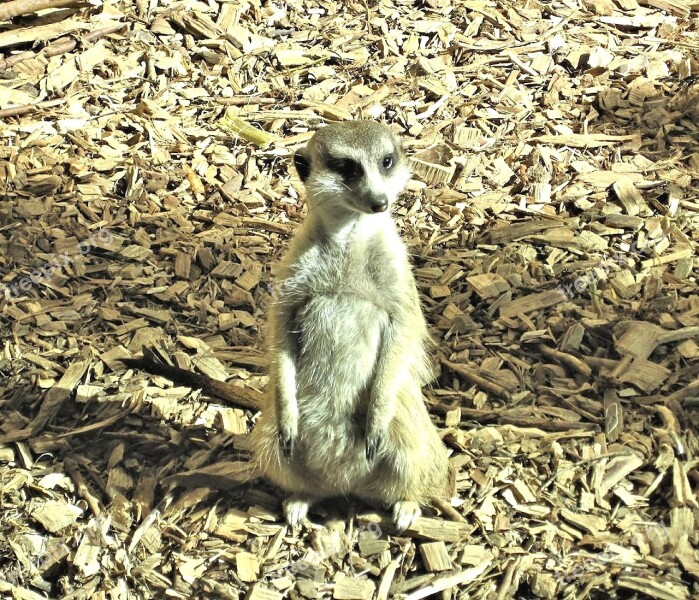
column 568, row 359
column 435, row 556
column 55, row 398
column 18, row 111
column 386, row 580
column 423, row 528
column 674, row 7
column 477, row 380
column 488, row 285
column 16, row 8
column 629, row 196
column 584, row 140
column 40, row 33
column 504, row 234
column 613, row 416
column 83, row 487
column 639, row 340
column 652, row 588
column 58, row 48
column 348, row 588
column 221, row 476
column 235, row 395
column 532, row 302
column 448, row 581
column 259, row 592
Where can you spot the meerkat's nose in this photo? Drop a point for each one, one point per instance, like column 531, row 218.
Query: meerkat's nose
column 379, row 204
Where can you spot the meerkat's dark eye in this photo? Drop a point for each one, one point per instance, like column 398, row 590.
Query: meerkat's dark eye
column 346, row 167
column 388, row 162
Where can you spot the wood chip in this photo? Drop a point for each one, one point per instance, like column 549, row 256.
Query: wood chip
column 435, row 556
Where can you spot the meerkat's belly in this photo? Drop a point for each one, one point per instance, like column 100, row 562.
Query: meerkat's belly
column 338, row 344
column 339, row 337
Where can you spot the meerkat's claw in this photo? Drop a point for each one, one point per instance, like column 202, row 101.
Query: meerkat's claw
column 405, row 514
column 295, row 510
column 286, row 444
column 373, row 443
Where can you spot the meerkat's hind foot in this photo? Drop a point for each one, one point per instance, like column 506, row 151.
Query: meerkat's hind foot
column 296, row 510
column 405, row 513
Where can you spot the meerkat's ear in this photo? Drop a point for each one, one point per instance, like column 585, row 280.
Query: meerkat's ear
column 302, row 164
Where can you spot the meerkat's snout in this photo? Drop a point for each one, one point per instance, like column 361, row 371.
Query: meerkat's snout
column 379, row 203
column 357, row 165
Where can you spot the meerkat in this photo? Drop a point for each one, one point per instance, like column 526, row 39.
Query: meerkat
column 345, row 413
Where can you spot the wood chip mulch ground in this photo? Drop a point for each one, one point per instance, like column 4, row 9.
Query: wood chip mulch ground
column 146, row 192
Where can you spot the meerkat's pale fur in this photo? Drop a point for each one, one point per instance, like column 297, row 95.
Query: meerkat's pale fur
column 346, row 414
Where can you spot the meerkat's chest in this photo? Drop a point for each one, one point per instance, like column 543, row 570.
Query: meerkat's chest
column 362, row 272
column 341, row 312
column 338, row 341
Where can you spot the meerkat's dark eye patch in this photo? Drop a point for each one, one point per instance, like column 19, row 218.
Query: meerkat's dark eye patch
column 346, row 167
column 388, row 162
column 303, row 167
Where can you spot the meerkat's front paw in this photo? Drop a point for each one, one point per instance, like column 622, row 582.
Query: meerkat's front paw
column 376, row 428
column 296, row 510
column 288, row 430
column 374, row 442
column 405, row 514
column 286, row 442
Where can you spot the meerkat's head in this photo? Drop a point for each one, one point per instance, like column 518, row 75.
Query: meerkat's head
column 357, row 166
